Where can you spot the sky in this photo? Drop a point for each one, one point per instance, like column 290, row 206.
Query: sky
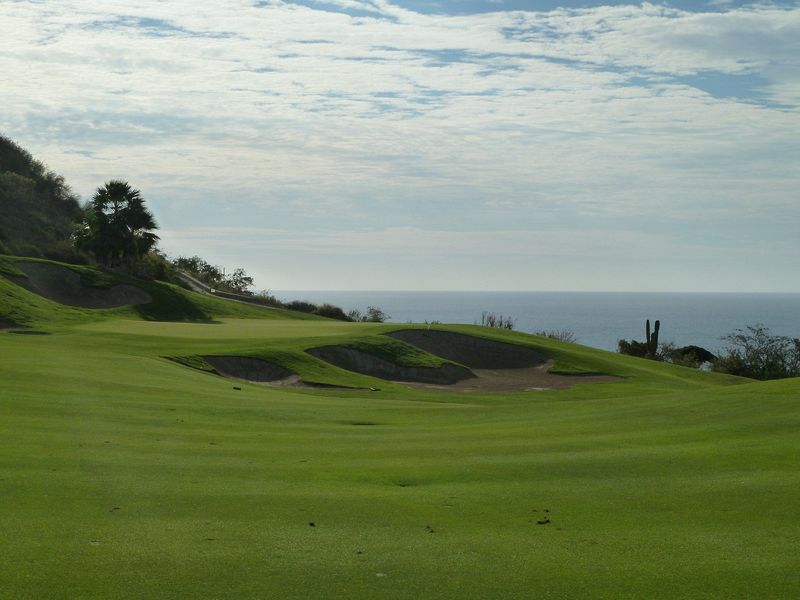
column 430, row 145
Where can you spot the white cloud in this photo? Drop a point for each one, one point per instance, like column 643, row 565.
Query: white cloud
column 289, row 111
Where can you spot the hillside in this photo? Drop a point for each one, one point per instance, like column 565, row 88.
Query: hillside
column 37, row 208
column 38, row 293
column 130, row 468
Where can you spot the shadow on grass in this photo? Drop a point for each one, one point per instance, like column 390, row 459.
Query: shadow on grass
column 170, row 305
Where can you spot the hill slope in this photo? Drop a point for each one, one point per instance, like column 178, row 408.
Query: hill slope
column 167, row 302
column 37, row 208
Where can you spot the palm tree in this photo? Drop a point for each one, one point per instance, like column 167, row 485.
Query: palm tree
column 118, row 227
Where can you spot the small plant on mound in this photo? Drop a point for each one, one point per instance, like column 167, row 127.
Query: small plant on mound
column 562, row 335
column 373, row 314
column 490, row 319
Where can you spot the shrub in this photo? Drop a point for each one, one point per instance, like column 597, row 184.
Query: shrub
column 332, row 312
column 562, row 335
column 301, row 306
column 685, row 356
column 754, row 352
column 264, row 297
column 372, row 315
column 490, row 319
column 153, row 266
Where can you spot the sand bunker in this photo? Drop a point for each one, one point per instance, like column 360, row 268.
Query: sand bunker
column 471, row 351
column 252, row 369
column 64, row 286
column 256, row 370
column 497, row 366
column 368, row 364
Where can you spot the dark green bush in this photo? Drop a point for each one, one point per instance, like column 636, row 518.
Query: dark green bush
column 754, row 352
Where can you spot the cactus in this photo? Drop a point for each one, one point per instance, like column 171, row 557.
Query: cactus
column 652, row 339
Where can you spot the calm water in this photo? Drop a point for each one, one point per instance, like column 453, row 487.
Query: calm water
column 598, row 319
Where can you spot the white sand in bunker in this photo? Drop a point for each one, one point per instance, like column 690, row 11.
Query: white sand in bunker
column 64, row 286
column 485, row 365
column 522, row 379
column 496, row 366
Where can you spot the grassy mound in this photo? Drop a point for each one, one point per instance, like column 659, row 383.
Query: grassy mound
column 472, row 351
column 353, row 359
column 80, row 294
column 63, row 285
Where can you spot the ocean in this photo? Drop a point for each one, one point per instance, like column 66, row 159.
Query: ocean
column 598, row 319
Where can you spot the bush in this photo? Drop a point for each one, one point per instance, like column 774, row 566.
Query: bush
column 685, row 356
column 238, row 282
column 562, row 335
column 267, row 299
column 632, row 348
column 300, row 306
column 332, row 312
column 754, row 352
column 153, row 266
column 490, row 319
column 372, row 315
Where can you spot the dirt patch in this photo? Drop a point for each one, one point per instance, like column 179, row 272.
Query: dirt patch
column 471, row 351
column 351, row 359
column 525, row 379
column 64, row 286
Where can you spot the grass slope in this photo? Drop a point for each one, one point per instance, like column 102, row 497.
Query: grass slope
column 170, row 302
column 126, row 475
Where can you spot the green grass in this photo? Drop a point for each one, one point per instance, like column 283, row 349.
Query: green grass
column 170, row 302
column 124, row 474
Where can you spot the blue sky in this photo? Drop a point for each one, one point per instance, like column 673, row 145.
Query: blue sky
column 457, row 144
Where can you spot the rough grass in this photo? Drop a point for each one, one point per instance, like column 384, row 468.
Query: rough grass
column 127, row 475
column 8, row 268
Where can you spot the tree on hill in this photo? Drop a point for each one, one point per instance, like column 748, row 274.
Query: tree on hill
column 37, row 208
column 118, row 227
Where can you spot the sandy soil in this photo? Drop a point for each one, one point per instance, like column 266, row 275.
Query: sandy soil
column 522, row 379
column 64, row 286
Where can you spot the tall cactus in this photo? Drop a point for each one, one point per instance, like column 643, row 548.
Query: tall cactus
column 652, row 340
